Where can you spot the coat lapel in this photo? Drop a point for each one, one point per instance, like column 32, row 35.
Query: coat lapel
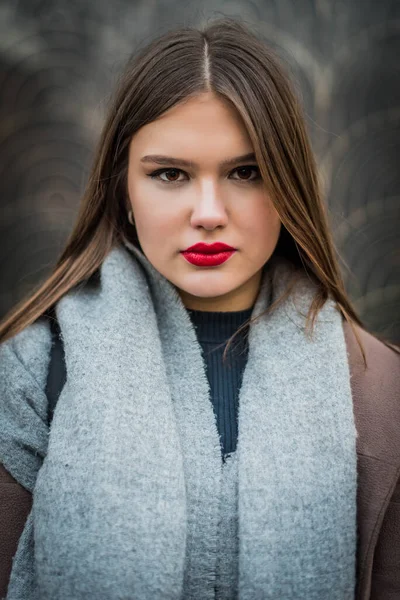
column 378, row 444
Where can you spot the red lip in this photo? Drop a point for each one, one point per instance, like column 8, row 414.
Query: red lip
column 202, row 248
column 208, row 255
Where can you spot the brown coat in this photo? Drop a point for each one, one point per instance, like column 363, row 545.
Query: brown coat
column 376, row 399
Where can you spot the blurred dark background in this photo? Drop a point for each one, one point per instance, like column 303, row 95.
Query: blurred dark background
column 59, row 62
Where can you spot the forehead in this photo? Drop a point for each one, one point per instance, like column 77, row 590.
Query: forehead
column 205, row 122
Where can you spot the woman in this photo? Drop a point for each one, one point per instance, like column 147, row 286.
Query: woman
column 176, row 466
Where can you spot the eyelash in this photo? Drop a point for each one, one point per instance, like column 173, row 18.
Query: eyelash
column 155, row 174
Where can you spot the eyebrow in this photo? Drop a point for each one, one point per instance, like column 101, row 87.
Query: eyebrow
column 160, row 159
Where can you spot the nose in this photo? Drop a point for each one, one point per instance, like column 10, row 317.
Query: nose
column 209, row 210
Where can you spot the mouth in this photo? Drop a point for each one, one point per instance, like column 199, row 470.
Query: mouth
column 208, row 255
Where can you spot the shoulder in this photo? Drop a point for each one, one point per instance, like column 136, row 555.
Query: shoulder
column 376, row 395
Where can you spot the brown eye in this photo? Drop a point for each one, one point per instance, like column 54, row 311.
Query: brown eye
column 172, row 175
column 245, row 173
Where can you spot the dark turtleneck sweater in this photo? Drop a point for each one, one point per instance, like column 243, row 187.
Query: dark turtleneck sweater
column 213, row 330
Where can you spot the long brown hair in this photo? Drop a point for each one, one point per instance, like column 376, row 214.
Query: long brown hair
column 229, row 59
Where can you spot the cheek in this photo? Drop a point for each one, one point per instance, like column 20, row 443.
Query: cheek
column 156, row 228
column 152, row 231
column 262, row 224
column 154, row 216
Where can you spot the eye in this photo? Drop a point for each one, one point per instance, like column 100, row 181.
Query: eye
column 159, row 172
column 172, row 174
column 245, row 171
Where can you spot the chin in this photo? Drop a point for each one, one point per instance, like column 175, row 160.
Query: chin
column 205, row 289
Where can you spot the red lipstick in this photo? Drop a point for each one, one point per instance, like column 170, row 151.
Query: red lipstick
column 208, row 255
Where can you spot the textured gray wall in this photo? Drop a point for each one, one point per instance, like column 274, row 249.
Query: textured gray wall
column 59, row 60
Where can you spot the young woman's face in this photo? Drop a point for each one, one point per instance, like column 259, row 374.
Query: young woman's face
column 183, row 191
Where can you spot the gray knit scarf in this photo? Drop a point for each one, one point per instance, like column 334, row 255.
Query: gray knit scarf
column 126, row 485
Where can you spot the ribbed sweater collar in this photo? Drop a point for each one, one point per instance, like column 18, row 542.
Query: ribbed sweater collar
column 215, row 326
